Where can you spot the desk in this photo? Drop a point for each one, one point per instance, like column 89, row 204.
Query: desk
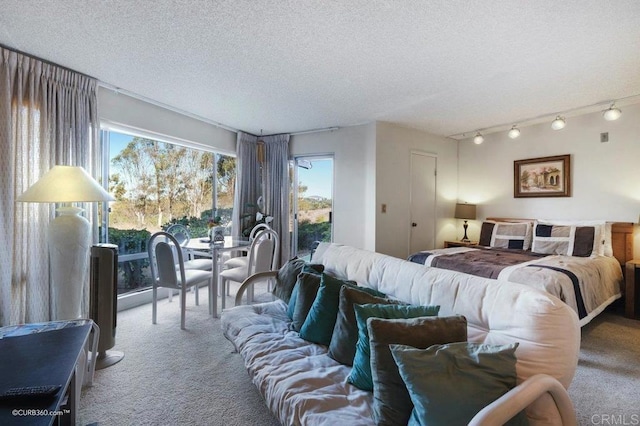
column 42, row 358
column 201, row 247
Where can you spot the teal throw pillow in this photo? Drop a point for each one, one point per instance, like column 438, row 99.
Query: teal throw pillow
column 360, row 375
column 449, row 384
column 318, row 327
column 307, row 269
column 308, row 285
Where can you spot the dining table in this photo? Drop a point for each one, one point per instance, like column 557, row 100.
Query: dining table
column 207, row 248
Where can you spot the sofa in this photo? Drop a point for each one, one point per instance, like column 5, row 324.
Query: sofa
column 302, row 385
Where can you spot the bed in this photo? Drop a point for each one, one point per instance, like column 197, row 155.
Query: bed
column 579, row 262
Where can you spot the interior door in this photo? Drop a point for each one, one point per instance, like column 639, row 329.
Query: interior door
column 312, row 209
column 422, row 225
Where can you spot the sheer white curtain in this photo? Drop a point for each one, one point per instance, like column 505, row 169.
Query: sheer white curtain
column 48, row 116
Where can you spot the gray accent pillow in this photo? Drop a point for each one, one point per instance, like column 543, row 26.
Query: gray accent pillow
column 391, row 401
column 308, row 285
column 288, row 276
column 345, row 333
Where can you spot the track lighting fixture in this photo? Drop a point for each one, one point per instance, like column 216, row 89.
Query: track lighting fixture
column 612, row 113
column 558, row 123
column 478, row 138
column 514, row 132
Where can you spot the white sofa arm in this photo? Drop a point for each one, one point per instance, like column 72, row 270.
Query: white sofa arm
column 518, row 398
column 260, row 276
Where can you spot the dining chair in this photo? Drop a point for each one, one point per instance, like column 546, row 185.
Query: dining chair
column 181, row 234
column 262, row 256
column 167, row 270
column 242, row 260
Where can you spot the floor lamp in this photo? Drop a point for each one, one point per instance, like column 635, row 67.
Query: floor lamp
column 466, row 212
column 68, row 235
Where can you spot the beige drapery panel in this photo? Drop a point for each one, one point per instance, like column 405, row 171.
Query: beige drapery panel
column 48, row 116
column 267, row 176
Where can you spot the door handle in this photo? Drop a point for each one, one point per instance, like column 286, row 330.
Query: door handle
column 413, row 224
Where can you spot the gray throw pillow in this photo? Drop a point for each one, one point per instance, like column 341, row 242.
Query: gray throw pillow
column 288, row 276
column 342, row 347
column 307, row 289
column 391, row 401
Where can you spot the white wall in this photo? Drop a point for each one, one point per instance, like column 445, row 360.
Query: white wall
column 605, row 176
column 354, row 163
column 393, row 153
column 125, row 110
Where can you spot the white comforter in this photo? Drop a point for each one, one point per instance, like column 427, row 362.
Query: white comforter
column 599, row 279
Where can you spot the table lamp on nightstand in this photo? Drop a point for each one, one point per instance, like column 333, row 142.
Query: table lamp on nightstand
column 466, row 212
column 69, row 234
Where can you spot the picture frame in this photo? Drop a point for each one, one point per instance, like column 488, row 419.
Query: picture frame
column 542, row 177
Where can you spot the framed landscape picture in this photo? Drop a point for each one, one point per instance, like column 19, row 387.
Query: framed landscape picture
column 542, row 177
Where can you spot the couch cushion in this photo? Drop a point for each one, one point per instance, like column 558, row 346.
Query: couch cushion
column 288, row 276
column 318, row 327
column 450, row 383
column 300, row 384
column 360, row 375
column 391, row 402
column 307, row 289
column 342, row 347
column 308, row 269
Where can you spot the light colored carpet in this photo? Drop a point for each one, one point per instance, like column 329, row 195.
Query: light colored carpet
column 173, row 377
column 605, row 389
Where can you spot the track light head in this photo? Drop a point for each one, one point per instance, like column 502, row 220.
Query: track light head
column 478, row 138
column 612, row 113
column 514, row 132
column 558, row 123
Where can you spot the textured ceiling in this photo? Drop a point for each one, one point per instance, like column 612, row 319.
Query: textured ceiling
column 444, row 66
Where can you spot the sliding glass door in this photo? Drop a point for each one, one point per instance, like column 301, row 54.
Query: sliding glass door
column 312, row 203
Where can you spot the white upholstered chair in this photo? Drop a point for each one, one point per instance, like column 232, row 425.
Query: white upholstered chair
column 164, row 254
column 235, row 262
column 181, row 234
column 262, row 256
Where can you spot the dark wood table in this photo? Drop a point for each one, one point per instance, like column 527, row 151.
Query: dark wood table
column 42, row 358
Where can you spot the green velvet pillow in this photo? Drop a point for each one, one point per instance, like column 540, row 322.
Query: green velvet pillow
column 360, row 375
column 309, row 269
column 308, row 285
column 449, row 384
column 318, row 327
column 391, row 402
column 345, row 333
column 288, row 275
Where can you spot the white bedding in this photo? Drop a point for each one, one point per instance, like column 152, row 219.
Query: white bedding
column 598, row 277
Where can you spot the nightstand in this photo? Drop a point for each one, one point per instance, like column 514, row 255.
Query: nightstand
column 448, row 244
column 632, row 278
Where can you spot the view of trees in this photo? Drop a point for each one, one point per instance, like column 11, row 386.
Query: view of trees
column 156, row 183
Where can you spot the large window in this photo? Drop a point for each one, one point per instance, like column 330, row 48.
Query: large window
column 157, row 184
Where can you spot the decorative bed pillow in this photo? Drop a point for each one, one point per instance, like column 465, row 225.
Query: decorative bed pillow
column 391, row 402
column 511, row 235
column 566, row 240
column 288, row 276
column 345, row 333
column 451, row 383
column 602, row 244
column 360, row 375
column 318, row 327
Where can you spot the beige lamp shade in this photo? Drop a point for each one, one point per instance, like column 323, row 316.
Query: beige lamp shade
column 465, row 211
column 65, row 184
